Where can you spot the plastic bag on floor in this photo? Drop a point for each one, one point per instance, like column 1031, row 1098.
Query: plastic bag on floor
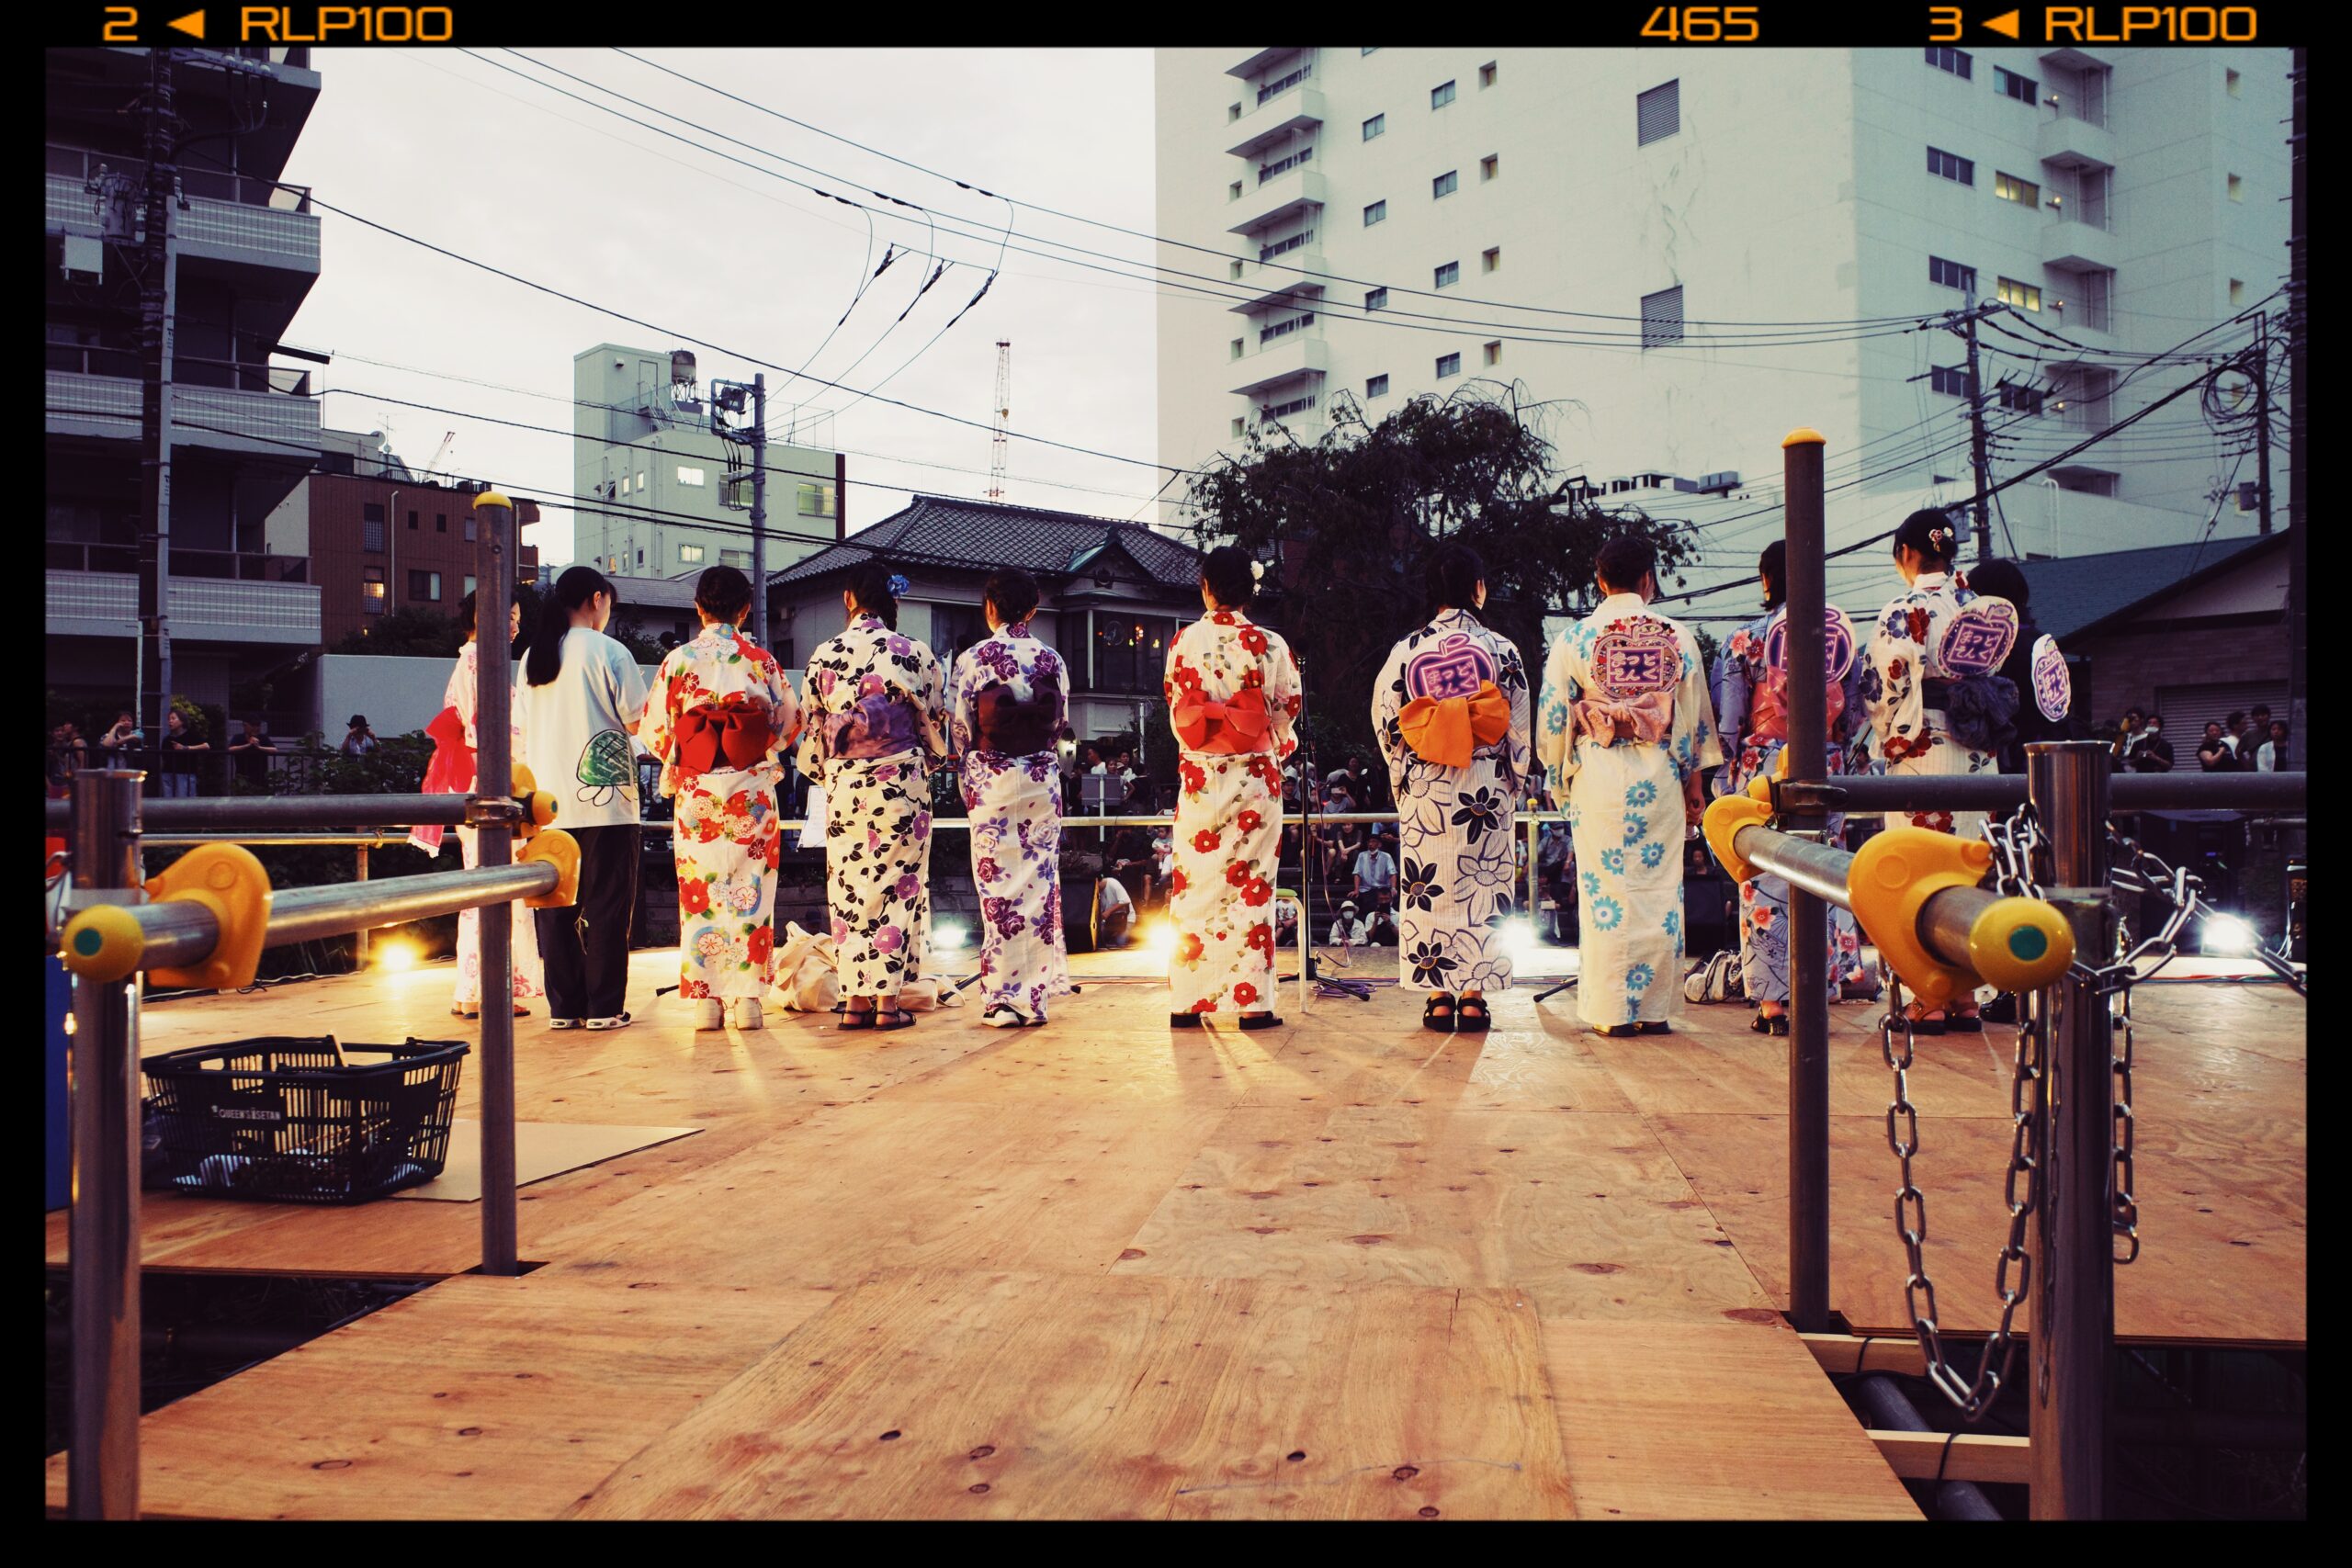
column 805, row 978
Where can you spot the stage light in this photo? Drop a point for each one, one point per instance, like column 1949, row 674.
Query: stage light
column 1159, row 942
column 2228, row 934
column 1519, row 938
column 950, row 935
column 396, row 957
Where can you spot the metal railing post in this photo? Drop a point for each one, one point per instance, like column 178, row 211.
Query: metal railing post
column 493, row 764
column 359, row 937
column 102, row 1446
column 2071, row 1239
column 1808, row 942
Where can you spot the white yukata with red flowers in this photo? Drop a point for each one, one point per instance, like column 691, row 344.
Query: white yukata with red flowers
column 1008, row 703
column 1228, row 809
column 724, row 832
column 529, row 980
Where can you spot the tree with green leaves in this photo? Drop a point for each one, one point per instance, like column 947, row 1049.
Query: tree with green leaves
column 411, row 630
column 1348, row 524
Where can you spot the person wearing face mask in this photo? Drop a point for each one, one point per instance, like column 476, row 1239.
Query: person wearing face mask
column 2151, row 753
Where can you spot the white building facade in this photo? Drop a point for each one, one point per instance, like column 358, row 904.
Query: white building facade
column 1682, row 254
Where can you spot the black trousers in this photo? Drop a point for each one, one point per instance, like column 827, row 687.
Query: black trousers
column 585, row 948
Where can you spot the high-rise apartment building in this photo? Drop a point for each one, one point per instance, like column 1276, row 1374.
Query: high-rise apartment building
column 1681, row 255
column 644, row 443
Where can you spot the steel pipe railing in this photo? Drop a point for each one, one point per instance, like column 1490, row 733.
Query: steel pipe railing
column 1947, row 921
column 375, row 840
column 1803, row 515
column 1864, row 793
column 234, row 814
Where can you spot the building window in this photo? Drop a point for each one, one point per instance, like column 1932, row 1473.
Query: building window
column 1232, row 112
column 2230, row 82
column 1377, row 387
column 2009, row 187
column 1958, row 61
column 735, row 559
column 1492, row 261
column 1662, row 317
column 815, row 500
column 2009, row 85
column 440, row 522
column 470, row 528
column 1448, row 364
column 1487, row 75
column 1297, row 242
column 640, row 481
column 1951, row 380
column 1951, row 166
column 1237, row 348
column 1449, row 275
column 1951, row 274
column 412, row 522
column 1375, row 126
column 1130, row 651
column 1238, row 427
column 424, row 585
column 640, row 560
column 1440, row 95
column 1281, row 85
column 371, row 590
column 1373, row 214
column 2019, row 400
column 1284, row 329
column 689, row 554
column 470, row 585
column 2024, row 296
column 1284, row 166
column 371, row 527
column 1657, row 114
column 1443, row 186
column 2237, row 188
column 2237, row 291
column 687, row 476
column 1283, row 411
column 1375, row 299
column 1233, row 191
column 1495, row 352
column 1490, row 165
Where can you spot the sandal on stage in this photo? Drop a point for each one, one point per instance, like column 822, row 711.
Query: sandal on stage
column 1260, row 1020
column 1923, row 1024
column 1965, row 1023
column 1471, row 1017
column 1004, row 1015
column 1615, row 1031
column 1183, row 1021
column 566, row 1023
column 856, row 1018
column 893, row 1018
column 1770, row 1024
column 1438, row 1014
column 1653, row 1029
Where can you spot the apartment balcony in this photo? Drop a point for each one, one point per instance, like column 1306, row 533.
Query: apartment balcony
column 2071, row 245
column 1288, row 194
column 1280, row 281
column 1257, row 60
column 2067, row 141
column 261, row 410
column 1284, row 359
column 241, row 222
column 1295, row 108
column 203, row 609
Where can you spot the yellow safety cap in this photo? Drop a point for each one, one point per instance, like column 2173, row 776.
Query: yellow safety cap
column 103, row 942
column 561, row 849
column 230, row 881
column 1803, row 435
column 1726, row 816
column 1891, row 879
column 2020, row 945
column 492, row 498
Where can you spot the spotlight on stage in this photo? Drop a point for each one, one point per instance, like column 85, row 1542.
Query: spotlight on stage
column 1519, row 938
column 396, row 957
column 2227, row 933
column 950, row 935
column 1159, row 942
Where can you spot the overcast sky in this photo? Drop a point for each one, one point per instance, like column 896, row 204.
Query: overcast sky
column 444, row 146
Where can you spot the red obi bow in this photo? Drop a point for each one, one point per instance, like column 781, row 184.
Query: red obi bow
column 451, row 771
column 1770, row 718
column 1238, row 726
column 1644, row 719
column 716, row 739
column 1449, row 730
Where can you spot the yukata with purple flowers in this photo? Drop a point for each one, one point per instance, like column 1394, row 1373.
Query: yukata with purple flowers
column 724, row 831
column 1008, row 703
column 1752, row 715
column 877, row 723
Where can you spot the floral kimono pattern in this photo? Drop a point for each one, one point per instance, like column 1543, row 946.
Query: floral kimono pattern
column 1454, row 823
column 1233, row 697
column 1935, row 633
column 1008, row 703
column 724, row 831
column 529, row 979
column 1625, row 720
column 1751, row 716
column 876, row 722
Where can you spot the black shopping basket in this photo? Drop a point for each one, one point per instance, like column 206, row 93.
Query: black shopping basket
column 293, row 1120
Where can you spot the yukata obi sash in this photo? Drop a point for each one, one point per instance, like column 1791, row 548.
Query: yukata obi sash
column 1234, row 726
column 722, row 740
column 1449, row 730
column 1635, row 664
column 451, row 770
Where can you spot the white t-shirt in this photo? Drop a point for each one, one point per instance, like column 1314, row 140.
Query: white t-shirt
column 579, row 731
column 1110, row 897
column 2266, row 758
column 1375, row 869
column 1348, row 930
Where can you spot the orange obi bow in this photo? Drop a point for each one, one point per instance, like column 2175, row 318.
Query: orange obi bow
column 1644, row 718
column 1241, row 724
column 1449, row 730
column 716, row 739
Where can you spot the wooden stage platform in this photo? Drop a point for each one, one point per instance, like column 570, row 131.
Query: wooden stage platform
column 1343, row 1268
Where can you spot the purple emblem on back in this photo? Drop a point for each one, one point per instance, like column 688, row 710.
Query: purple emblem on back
column 1455, row 668
column 1836, row 643
column 1979, row 637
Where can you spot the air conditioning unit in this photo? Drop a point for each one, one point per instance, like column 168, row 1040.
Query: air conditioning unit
column 84, row 259
column 1717, row 483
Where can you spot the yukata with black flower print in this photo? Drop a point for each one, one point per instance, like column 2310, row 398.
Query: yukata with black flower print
column 718, row 720
column 1624, row 720
column 1930, row 688
column 876, row 712
column 1752, row 715
column 1233, row 697
column 1008, row 703
column 1458, row 776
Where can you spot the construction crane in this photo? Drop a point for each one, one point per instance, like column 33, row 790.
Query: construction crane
column 433, row 469
column 1002, row 420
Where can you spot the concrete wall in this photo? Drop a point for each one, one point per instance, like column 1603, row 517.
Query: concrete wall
column 398, row 695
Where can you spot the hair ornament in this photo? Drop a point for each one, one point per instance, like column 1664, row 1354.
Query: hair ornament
column 899, row 586
column 1257, row 572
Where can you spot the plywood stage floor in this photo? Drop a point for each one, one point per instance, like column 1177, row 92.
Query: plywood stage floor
column 1342, row 1269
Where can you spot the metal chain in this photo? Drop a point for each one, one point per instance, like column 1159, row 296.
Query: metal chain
column 2138, row 870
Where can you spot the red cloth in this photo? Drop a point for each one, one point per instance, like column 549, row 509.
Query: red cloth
column 1770, row 718
column 717, row 739
column 1232, row 727
column 451, row 771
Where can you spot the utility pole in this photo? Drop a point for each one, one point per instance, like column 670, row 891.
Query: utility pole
column 1000, row 418
column 760, row 509
column 2298, row 470
column 1976, row 443
column 155, row 286
column 2262, row 417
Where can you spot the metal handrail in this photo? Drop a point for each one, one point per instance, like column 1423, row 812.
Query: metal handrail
column 2004, row 791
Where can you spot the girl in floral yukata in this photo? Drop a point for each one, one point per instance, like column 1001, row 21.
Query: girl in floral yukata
column 1008, row 703
column 1933, row 699
column 1752, row 713
column 1451, row 712
column 877, row 725
column 1627, row 725
column 718, row 720
column 1233, row 697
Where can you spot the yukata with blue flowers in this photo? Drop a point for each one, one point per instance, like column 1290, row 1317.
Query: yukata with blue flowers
column 1623, row 721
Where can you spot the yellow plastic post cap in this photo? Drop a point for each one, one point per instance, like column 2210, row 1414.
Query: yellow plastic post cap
column 1890, row 878
column 230, row 882
column 492, row 498
column 103, row 942
column 561, row 849
column 2020, row 945
column 1803, row 435
column 1726, row 816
